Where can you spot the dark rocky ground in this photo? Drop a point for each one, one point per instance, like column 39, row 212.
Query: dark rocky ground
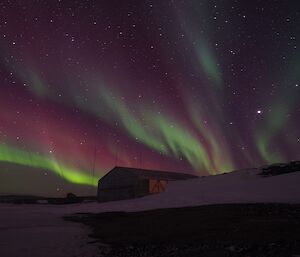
column 218, row 230
column 31, row 199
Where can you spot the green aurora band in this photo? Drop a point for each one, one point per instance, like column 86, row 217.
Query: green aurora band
column 205, row 55
column 135, row 129
column 274, row 123
column 168, row 137
column 276, row 119
column 181, row 143
column 208, row 63
column 220, row 158
column 13, row 155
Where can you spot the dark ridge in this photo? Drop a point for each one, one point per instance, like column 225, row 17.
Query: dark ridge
column 29, row 199
column 280, row 168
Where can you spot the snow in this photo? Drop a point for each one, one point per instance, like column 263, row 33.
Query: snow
column 39, row 230
column 34, row 231
column 244, row 186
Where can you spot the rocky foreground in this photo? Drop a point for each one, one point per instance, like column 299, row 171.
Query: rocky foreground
column 214, row 230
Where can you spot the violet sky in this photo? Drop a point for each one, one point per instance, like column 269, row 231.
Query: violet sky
column 197, row 86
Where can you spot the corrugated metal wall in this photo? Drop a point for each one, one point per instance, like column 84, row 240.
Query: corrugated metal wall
column 114, row 194
column 120, row 184
column 117, row 178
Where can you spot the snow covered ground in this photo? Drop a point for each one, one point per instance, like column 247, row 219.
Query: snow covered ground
column 243, row 186
column 39, row 230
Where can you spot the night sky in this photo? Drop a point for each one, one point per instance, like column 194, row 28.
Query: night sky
column 202, row 87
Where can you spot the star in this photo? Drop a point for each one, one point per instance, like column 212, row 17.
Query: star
column 181, row 87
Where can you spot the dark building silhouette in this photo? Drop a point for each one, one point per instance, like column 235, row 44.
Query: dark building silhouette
column 125, row 183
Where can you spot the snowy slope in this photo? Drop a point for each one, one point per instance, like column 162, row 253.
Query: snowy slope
column 244, row 186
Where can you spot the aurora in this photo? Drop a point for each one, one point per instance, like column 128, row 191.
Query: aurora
column 187, row 86
column 12, row 155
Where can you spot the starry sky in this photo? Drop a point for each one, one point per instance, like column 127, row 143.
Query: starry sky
column 198, row 86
